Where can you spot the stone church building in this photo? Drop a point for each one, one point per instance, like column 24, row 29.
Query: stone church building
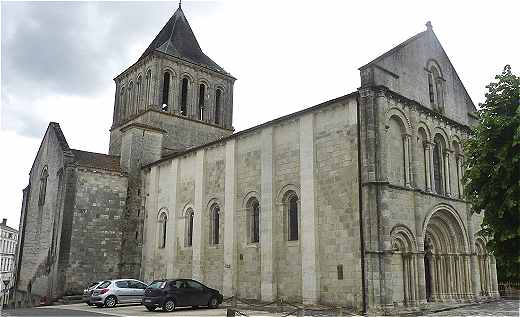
column 357, row 201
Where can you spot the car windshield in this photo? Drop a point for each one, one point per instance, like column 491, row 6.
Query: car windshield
column 157, row 284
column 93, row 284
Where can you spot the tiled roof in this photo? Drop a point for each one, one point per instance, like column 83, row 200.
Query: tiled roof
column 177, row 39
column 97, row 160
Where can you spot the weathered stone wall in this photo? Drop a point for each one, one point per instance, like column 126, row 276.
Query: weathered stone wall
column 96, row 236
column 248, row 176
column 405, row 72
column 214, row 169
column 37, row 261
column 331, row 131
column 337, row 204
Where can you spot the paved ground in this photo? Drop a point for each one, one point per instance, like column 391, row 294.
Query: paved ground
column 497, row 308
column 121, row 310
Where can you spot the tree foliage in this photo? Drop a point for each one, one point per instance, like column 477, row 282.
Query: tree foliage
column 492, row 178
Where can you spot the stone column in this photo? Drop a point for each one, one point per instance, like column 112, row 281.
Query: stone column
column 149, row 247
column 267, row 252
column 197, row 246
column 427, row 162
column 407, row 170
column 421, row 273
column 229, row 221
column 310, row 280
column 447, row 173
column 171, row 232
column 494, row 278
column 432, row 175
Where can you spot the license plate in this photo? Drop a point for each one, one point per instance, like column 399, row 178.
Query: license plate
column 147, row 300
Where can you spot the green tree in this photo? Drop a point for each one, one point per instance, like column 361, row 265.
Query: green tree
column 492, row 179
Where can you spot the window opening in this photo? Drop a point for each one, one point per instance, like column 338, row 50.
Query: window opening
column 184, row 96
column 293, row 218
column 202, row 92
column 218, row 94
column 166, row 91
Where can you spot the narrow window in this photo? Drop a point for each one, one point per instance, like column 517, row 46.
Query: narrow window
column 43, row 187
column 437, row 167
column 293, row 218
column 430, row 89
column 184, row 96
column 122, row 103
column 139, row 92
column 202, row 92
column 148, row 86
column 340, row 271
column 163, row 221
column 189, row 228
column 253, row 222
column 166, row 91
column 130, row 93
column 215, row 224
column 218, row 95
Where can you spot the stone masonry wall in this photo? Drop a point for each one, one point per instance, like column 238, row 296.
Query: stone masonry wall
column 334, row 243
column 96, row 228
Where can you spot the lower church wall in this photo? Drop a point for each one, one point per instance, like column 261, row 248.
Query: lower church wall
column 95, row 242
column 333, row 160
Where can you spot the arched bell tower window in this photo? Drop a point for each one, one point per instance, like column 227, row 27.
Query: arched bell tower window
column 166, row 91
column 218, row 97
column 184, row 96
column 202, row 93
column 148, row 86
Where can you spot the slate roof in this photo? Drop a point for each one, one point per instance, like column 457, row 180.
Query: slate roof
column 97, row 160
column 177, row 39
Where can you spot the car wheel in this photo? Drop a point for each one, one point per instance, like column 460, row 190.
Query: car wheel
column 110, row 301
column 213, row 302
column 150, row 308
column 169, row 305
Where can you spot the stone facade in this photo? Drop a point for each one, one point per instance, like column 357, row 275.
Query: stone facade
column 70, row 222
column 355, row 202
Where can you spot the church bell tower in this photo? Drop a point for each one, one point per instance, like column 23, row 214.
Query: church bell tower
column 172, row 98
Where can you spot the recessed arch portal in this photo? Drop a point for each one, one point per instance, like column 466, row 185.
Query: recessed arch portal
column 447, row 255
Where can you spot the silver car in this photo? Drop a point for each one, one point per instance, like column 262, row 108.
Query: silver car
column 113, row 292
column 88, row 291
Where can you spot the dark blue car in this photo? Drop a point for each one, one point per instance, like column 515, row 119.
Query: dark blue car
column 170, row 294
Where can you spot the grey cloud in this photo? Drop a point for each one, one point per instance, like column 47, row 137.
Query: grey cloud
column 68, row 48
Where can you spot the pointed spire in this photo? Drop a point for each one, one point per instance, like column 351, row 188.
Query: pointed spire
column 177, row 39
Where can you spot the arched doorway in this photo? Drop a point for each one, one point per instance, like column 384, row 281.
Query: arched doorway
column 405, row 286
column 447, row 257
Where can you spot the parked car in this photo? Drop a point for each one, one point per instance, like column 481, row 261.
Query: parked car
column 113, row 292
column 88, row 291
column 170, row 294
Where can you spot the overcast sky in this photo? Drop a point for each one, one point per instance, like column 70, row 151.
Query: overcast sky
column 58, row 59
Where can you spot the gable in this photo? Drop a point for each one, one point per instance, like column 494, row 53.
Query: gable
column 52, row 149
column 405, row 70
